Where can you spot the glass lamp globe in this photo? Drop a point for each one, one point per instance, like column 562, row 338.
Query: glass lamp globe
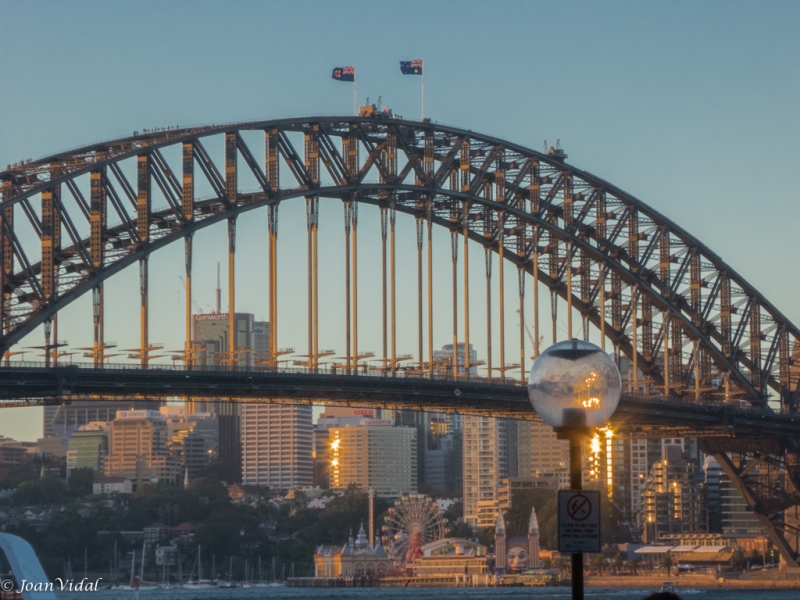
column 574, row 384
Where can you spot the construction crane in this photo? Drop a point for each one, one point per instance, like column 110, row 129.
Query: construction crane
column 195, row 303
column 530, row 335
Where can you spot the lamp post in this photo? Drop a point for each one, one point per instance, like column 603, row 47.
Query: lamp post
column 574, row 386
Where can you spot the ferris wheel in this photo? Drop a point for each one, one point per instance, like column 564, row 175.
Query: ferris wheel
column 413, row 521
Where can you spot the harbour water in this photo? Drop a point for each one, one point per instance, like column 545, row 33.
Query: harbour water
column 282, row 593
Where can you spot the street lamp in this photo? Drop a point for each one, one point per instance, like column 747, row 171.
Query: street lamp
column 574, row 386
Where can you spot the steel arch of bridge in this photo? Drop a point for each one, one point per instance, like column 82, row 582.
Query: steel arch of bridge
column 640, row 278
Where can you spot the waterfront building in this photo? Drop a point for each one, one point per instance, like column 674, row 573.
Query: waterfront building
column 376, row 455
column 138, row 448
column 277, row 446
column 354, row 559
column 88, row 447
column 450, row 559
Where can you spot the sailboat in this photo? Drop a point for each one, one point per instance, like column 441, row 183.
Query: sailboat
column 133, row 571
column 261, row 582
column 143, row 587
column 229, row 582
column 247, row 583
column 200, row 584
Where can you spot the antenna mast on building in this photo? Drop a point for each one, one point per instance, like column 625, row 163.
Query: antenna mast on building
column 219, row 292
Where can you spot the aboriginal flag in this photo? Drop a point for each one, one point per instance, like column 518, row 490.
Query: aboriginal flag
column 411, row 67
column 344, row 73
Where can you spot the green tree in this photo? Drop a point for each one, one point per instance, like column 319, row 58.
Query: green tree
column 617, row 562
column 80, row 482
column 738, row 560
column 208, row 487
column 461, row 529
column 545, row 501
column 12, row 477
column 454, row 512
column 47, row 490
column 633, row 566
column 216, row 469
column 224, row 532
column 611, row 517
column 562, row 564
column 667, row 563
column 486, row 536
column 756, row 558
column 598, row 563
column 773, row 556
column 547, row 563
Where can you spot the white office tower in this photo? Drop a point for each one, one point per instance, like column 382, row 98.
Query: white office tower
column 277, row 445
column 485, row 466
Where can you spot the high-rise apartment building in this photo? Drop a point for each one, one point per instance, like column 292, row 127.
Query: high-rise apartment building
column 675, row 496
column 277, row 445
column 485, row 447
column 374, row 455
column 138, row 448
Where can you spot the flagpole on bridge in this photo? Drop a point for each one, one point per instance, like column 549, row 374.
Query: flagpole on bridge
column 423, row 92
column 355, row 95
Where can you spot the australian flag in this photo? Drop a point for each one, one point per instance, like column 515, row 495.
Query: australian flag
column 411, row 67
column 344, row 73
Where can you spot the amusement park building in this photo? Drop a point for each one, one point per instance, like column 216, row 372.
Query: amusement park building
column 451, row 556
column 354, row 559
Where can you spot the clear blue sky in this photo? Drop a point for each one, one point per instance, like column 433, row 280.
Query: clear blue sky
column 692, row 107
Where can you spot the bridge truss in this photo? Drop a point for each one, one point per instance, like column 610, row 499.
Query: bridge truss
column 691, row 325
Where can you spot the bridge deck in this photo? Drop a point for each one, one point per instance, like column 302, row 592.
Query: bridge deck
column 31, row 384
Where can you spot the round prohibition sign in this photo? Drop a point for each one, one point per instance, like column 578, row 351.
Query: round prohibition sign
column 579, row 507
